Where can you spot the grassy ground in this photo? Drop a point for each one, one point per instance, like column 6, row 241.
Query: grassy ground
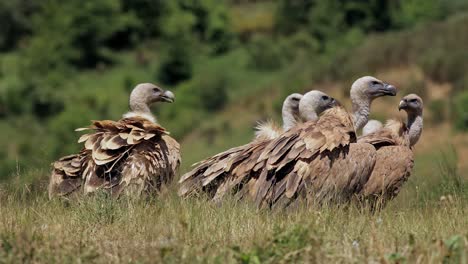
column 427, row 223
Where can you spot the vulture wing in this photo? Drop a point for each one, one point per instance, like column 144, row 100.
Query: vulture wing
column 393, row 167
column 317, row 160
column 131, row 151
column 66, row 175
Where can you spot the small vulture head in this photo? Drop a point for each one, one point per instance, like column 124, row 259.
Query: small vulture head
column 371, row 88
column 149, row 93
column 291, row 103
column 411, row 103
column 314, row 103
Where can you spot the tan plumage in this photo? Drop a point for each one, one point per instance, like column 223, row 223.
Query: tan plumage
column 305, row 161
column 267, row 130
column 395, row 158
column 228, row 170
column 317, row 160
column 131, row 156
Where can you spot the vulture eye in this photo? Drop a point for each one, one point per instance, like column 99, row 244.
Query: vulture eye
column 324, row 97
column 413, row 100
column 375, row 82
column 295, row 99
column 156, row 89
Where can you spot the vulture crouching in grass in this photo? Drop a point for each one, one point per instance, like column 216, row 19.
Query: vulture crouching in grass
column 132, row 156
column 226, row 172
column 395, row 158
column 290, row 116
column 320, row 160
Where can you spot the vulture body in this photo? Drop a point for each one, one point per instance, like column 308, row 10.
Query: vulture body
column 395, row 157
column 129, row 157
column 225, row 172
column 290, row 115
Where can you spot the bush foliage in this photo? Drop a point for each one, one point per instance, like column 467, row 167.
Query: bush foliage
column 63, row 63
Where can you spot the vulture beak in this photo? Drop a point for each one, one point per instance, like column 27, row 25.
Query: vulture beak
column 168, row 97
column 389, row 89
column 403, row 104
column 333, row 102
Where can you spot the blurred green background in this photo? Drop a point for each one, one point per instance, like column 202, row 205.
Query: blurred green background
column 230, row 64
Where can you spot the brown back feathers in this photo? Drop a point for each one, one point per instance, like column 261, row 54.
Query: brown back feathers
column 303, row 160
column 132, row 154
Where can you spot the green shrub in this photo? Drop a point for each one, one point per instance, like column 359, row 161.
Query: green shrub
column 460, row 111
column 176, row 65
column 265, row 53
column 443, row 66
column 212, row 92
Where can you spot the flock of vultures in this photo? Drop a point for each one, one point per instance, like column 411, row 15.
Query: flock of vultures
column 315, row 157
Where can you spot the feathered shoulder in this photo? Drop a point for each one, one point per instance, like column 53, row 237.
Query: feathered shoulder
column 394, row 133
column 267, row 130
column 108, row 137
column 332, row 130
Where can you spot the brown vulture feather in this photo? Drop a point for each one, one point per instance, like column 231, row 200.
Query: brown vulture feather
column 131, row 156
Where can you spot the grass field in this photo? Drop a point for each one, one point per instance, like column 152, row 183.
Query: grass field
column 427, row 223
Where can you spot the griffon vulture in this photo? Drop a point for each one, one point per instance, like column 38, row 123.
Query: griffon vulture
column 290, row 116
column 131, row 156
column 395, row 159
column 224, row 171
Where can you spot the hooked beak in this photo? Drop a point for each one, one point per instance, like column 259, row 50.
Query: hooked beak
column 403, row 105
column 389, row 89
column 168, row 97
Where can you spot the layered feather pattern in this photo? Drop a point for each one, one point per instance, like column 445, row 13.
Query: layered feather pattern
column 117, row 154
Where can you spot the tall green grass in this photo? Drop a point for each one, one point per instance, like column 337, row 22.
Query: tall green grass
column 418, row 226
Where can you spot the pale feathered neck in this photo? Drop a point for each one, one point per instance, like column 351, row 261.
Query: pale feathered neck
column 289, row 117
column 139, row 106
column 415, row 127
column 144, row 115
column 361, row 110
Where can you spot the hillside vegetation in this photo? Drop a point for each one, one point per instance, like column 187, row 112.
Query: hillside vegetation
column 230, row 64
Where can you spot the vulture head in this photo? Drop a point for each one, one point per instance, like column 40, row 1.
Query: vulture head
column 145, row 94
column 314, row 103
column 412, row 104
column 363, row 91
column 290, row 110
column 370, row 88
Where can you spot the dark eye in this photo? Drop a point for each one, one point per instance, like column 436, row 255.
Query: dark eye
column 375, row 82
column 324, row 97
column 413, row 100
column 156, row 89
column 295, row 99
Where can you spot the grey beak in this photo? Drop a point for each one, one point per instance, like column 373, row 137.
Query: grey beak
column 403, row 104
column 168, row 97
column 389, row 90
